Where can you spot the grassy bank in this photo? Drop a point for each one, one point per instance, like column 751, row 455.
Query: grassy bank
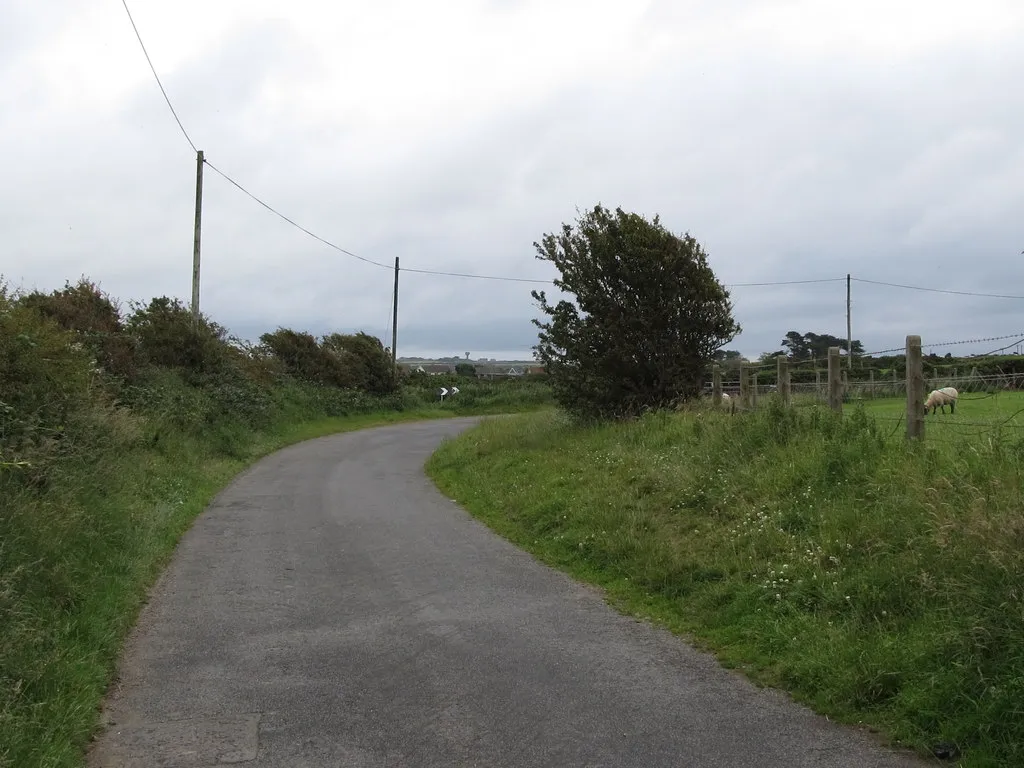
column 879, row 582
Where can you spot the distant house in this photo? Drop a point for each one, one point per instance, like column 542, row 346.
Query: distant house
column 431, row 369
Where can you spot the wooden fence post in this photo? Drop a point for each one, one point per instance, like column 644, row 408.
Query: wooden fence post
column 753, row 387
column 915, row 389
column 783, row 379
column 835, row 381
column 871, row 386
column 716, row 385
column 817, row 383
column 743, row 386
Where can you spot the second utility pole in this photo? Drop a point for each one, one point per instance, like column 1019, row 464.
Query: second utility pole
column 394, row 320
column 195, row 241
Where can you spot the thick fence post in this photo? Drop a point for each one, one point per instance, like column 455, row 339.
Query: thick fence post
column 783, row 379
column 716, row 385
column 744, row 394
column 915, row 389
column 835, row 380
column 871, row 379
column 753, row 387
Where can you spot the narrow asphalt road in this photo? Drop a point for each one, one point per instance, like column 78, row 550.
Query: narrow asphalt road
column 332, row 609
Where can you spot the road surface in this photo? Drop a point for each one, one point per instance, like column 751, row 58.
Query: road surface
column 332, row 609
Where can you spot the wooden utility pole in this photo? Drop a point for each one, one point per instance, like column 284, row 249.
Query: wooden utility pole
column 394, row 320
column 915, row 389
column 849, row 327
column 196, row 237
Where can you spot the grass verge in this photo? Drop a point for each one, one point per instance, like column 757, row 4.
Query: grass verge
column 878, row 582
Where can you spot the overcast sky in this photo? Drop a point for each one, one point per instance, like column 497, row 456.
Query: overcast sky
column 794, row 140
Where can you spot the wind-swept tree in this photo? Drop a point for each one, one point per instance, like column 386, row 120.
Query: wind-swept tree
column 646, row 317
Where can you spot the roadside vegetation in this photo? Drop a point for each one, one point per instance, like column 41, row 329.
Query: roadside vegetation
column 878, row 581
column 116, row 430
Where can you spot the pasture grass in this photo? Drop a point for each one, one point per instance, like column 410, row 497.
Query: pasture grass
column 80, row 547
column 999, row 414
column 879, row 582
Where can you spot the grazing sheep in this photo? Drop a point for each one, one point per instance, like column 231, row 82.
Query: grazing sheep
column 939, row 398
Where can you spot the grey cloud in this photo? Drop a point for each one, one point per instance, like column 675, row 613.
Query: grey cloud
column 783, row 167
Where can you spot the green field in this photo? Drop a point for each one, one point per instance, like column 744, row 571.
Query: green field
column 880, row 581
column 977, row 413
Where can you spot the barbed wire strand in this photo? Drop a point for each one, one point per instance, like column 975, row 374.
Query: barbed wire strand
column 903, row 349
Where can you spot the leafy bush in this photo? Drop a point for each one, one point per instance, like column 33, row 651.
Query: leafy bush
column 367, row 360
column 305, row 359
column 169, row 337
column 45, row 379
column 96, row 320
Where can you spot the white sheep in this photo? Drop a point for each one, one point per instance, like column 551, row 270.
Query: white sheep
column 939, row 398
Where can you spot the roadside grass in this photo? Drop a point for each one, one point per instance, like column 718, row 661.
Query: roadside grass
column 81, row 544
column 879, row 582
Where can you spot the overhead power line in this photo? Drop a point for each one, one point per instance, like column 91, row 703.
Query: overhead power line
column 153, row 70
column 787, row 282
column 276, row 212
column 355, row 255
column 936, row 290
column 486, row 277
column 478, row 277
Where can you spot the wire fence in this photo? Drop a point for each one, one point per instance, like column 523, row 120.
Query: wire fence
column 989, row 389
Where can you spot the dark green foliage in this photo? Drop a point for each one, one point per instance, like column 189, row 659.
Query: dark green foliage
column 465, row 369
column 169, row 337
column 96, row 320
column 814, row 345
column 304, row 358
column 647, row 315
column 367, row 360
column 46, row 391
